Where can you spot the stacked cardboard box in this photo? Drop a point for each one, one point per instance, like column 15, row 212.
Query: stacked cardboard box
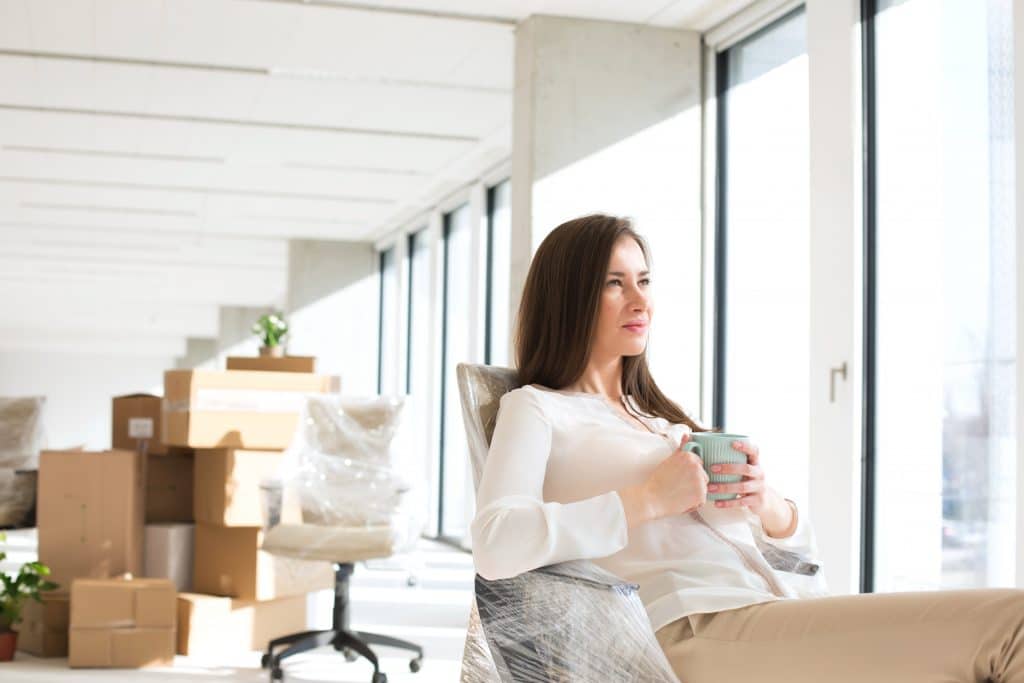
column 238, row 422
column 122, row 623
column 199, row 452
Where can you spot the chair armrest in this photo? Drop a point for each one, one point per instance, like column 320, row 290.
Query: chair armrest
column 567, row 622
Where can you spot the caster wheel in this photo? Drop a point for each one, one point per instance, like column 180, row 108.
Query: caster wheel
column 350, row 655
column 380, row 677
column 411, row 581
column 276, row 675
column 264, row 661
column 415, row 664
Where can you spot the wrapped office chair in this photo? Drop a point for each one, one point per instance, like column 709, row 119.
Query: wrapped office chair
column 340, row 499
column 571, row 621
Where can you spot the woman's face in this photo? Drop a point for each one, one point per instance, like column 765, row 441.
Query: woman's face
column 624, row 318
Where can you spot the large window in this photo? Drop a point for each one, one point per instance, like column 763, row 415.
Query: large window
column 499, row 232
column 456, row 499
column 387, row 372
column 418, row 357
column 941, row 313
column 762, row 249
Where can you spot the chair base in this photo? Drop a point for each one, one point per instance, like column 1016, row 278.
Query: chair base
column 352, row 644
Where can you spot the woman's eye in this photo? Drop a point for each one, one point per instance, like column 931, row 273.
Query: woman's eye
column 645, row 281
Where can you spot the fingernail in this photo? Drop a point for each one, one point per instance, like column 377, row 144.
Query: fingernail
column 736, row 444
column 716, row 468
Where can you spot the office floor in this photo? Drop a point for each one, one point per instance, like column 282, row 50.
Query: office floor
column 433, row 613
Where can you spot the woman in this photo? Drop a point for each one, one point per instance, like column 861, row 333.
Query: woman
column 586, row 461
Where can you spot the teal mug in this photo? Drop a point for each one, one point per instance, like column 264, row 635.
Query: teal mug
column 715, row 448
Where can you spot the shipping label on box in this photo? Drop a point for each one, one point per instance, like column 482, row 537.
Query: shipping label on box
column 90, row 514
column 136, row 423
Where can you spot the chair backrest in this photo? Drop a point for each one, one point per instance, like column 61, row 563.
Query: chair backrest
column 480, row 390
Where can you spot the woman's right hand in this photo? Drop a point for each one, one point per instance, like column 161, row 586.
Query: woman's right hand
column 676, row 486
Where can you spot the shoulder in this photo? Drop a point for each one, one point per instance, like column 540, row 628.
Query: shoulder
column 523, row 396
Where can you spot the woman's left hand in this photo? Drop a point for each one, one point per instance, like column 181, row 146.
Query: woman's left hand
column 754, row 492
column 751, row 488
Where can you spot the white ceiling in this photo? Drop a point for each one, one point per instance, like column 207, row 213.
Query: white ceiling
column 156, row 155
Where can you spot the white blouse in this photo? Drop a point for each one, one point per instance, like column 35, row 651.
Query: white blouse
column 548, row 494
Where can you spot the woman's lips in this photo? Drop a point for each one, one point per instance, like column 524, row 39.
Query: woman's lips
column 635, row 328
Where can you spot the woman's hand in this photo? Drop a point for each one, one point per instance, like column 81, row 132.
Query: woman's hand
column 677, row 485
column 777, row 516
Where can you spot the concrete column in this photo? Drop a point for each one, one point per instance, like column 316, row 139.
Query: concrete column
column 607, row 118
column 332, row 309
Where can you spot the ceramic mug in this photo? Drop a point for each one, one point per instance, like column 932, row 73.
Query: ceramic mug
column 715, row 448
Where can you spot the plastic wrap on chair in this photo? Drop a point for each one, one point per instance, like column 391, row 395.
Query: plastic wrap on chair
column 342, row 494
column 17, row 496
column 567, row 623
column 21, row 431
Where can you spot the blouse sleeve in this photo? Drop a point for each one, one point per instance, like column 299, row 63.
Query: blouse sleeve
column 802, row 541
column 514, row 530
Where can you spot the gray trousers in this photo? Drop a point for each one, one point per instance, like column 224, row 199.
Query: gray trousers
column 940, row 637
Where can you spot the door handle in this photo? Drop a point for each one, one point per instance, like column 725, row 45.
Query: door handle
column 841, row 370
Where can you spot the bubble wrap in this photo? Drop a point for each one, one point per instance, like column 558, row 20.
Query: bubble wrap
column 341, row 494
column 21, row 431
column 567, row 623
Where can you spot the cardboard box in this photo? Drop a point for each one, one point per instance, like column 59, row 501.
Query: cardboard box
column 236, row 408
column 169, row 486
column 227, row 485
column 271, row 364
column 211, row 626
column 136, row 423
column 90, row 514
column 169, row 554
column 43, row 629
column 229, row 563
column 122, row 623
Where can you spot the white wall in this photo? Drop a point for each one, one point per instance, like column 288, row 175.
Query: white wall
column 78, row 389
column 332, row 311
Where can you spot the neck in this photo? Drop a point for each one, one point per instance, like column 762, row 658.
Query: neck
column 601, row 376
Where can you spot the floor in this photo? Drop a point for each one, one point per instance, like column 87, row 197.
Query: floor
column 432, row 612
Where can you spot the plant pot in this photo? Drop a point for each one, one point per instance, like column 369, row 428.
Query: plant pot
column 8, row 643
column 272, row 351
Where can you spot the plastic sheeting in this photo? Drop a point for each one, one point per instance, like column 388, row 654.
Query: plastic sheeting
column 567, row 623
column 21, row 432
column 341, row 495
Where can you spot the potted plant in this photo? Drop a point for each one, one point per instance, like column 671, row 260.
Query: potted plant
column 28, row 583
column 271, row 329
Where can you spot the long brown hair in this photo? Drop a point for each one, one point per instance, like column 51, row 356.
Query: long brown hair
column 558, row 313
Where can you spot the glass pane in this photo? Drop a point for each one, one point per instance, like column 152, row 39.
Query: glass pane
column 945, row 338
column 387, row 376
column 456, row 482
column 418, row 350
column 767, row 239
column 500, row 234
